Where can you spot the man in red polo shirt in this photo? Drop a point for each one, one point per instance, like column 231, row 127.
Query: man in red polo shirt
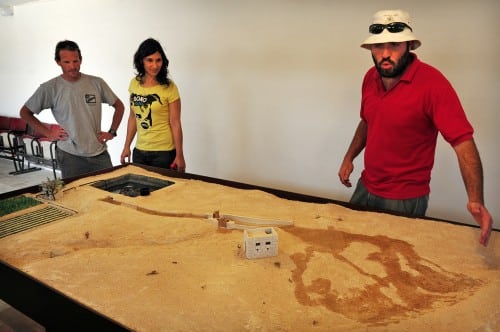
column 405, row 104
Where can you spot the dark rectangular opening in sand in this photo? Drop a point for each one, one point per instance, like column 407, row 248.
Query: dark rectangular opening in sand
column 132, row 185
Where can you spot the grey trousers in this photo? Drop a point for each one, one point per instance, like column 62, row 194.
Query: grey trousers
column 414, row 207
column 73, row 165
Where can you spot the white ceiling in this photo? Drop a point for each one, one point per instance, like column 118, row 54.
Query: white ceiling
column 13, row 2
column 7, row 6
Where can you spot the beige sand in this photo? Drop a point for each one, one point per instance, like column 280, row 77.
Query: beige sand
column 337, row 269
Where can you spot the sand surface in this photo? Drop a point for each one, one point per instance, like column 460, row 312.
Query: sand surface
column 337, row 269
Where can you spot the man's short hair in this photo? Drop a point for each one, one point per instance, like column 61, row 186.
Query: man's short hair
column 67, row 45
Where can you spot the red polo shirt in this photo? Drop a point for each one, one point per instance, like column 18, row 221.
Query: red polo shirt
column 403, row 124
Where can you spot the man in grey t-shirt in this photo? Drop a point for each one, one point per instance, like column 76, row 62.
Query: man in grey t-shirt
column 75, row 100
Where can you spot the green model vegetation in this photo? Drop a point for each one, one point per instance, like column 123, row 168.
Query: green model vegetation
column 17, row 203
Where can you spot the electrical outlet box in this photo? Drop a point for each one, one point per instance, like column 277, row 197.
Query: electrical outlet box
column 260, row 242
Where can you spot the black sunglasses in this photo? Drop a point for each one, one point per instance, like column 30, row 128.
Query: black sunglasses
column 391, row 27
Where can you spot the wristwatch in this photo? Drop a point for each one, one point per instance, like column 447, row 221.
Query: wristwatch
column 112, row 132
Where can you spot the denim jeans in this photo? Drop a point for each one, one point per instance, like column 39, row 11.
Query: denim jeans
column 414, row 207
column 162, row 159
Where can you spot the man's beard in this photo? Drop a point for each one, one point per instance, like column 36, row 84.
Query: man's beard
column 397, row 69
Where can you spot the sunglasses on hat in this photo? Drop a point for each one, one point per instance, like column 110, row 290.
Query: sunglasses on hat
column 391, row 27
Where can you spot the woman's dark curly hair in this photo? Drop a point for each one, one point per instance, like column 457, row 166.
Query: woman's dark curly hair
column 148, row 47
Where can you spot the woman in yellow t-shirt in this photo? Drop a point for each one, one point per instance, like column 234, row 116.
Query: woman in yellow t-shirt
column 155, row 112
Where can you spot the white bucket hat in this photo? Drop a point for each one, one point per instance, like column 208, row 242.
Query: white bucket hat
column 386, row 17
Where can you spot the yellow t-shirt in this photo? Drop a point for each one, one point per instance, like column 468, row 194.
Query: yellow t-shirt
column 151, row 108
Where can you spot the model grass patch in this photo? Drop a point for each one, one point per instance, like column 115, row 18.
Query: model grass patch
column 17, row 203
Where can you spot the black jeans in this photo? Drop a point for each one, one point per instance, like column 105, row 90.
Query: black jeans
column 162, row 159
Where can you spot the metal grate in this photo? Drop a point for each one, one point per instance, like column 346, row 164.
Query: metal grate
column 32, row 219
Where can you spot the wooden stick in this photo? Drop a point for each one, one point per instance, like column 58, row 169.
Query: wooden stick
column 223, row 220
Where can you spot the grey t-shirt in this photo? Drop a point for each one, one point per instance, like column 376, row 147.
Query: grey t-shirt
column 76, row 106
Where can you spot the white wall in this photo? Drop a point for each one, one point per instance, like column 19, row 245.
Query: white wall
column 270, row 88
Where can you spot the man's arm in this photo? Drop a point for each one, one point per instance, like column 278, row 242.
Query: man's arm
column 115, row 123
column 28, row 116
column 472, row 175
column 357, row 145
column 118, row 114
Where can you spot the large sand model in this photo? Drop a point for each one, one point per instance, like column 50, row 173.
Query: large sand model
column 337, row 269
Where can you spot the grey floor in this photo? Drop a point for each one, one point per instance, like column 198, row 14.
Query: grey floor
column 10, row 318
column 10, row 182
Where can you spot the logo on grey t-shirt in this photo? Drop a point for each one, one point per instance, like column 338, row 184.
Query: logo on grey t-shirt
column 90, row 99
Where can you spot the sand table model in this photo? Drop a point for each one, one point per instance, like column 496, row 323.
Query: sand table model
column 160, row 261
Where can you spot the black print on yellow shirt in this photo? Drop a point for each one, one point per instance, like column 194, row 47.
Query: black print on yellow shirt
column 145, row 104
